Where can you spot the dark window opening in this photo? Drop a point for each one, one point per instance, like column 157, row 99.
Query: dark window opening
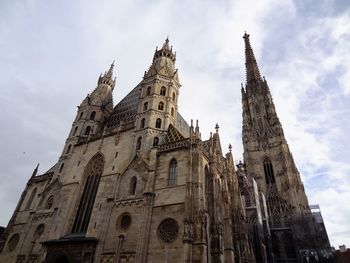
column 162, row 91
column 142, row 125
column 158, row 123
column 93, row 115
column 268, row 170
column 87, row 130
column 138, row 144
column 155, row 141
column 161, row 106
column 133, row 183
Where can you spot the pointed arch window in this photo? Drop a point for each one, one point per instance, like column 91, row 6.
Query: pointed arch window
column 155, row 141
column 92, row 174
column 30, row 200
column 69, row 148
column 75, row 130
column 143, row 122
column 172, row 172
column 88, row 130
column 158, row 123
column 163, row 91
column 268, row 170
column 161, row 106
column 49, row 202
column 148, row 91
column 172, row 112
column 145, row 106
column 81, row 115
column 133, row 184
column 138, row 143
column 174, row 96
column 93, row 115
column 61, row 168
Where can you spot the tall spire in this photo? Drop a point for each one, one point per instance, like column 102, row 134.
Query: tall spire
column 252, row 69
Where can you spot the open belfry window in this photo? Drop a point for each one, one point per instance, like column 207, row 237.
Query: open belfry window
column 92, row 174
column 163, row 91
column 161, row 106
column 268, row 170
column 158, row 123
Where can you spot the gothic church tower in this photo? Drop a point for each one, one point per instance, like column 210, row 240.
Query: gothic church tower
column 266, row 152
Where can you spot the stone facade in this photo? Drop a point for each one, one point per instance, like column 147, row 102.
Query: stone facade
column 137, row 183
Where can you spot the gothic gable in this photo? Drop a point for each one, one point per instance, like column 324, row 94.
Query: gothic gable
column 134, row 178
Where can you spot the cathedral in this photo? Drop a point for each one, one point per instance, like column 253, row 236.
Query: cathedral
column 137, row 183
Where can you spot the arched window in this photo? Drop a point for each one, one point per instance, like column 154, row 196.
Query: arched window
column 87, row 130
column 81, row 115
column 145, row 106
column 268, row 170
column 92, row 175
column 158, row 123
column 161, row 106
column 75, row 130
column 155, row 141
column 162, row 91
column 138, row 144
column 174, row 96
column 61, row 168
column 30, row 200
column 142, row 125
column 133, row 183
column 68, row 149
column 148, row 91
column 49, row 202
column 172, row 172
column 93, row 115
column 172, row 112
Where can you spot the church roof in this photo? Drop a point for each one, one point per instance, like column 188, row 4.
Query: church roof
column 125, row 111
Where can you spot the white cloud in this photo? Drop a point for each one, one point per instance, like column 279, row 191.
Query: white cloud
column 52, row 53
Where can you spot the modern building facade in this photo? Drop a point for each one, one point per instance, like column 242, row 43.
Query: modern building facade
column 136, row 183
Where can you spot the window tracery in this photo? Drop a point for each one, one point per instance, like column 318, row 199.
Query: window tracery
column 92, row 173
column 168, row 230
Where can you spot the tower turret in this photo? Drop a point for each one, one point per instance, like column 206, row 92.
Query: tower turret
column 92, row 113
column 158, row 100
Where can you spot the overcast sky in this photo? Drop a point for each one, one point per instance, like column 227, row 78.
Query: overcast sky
column 52, row 52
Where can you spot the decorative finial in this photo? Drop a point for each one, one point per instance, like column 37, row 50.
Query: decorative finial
column 166, row 43
column 230, row 147
column 196, row 123
column 217, row 128
column 35, row 171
